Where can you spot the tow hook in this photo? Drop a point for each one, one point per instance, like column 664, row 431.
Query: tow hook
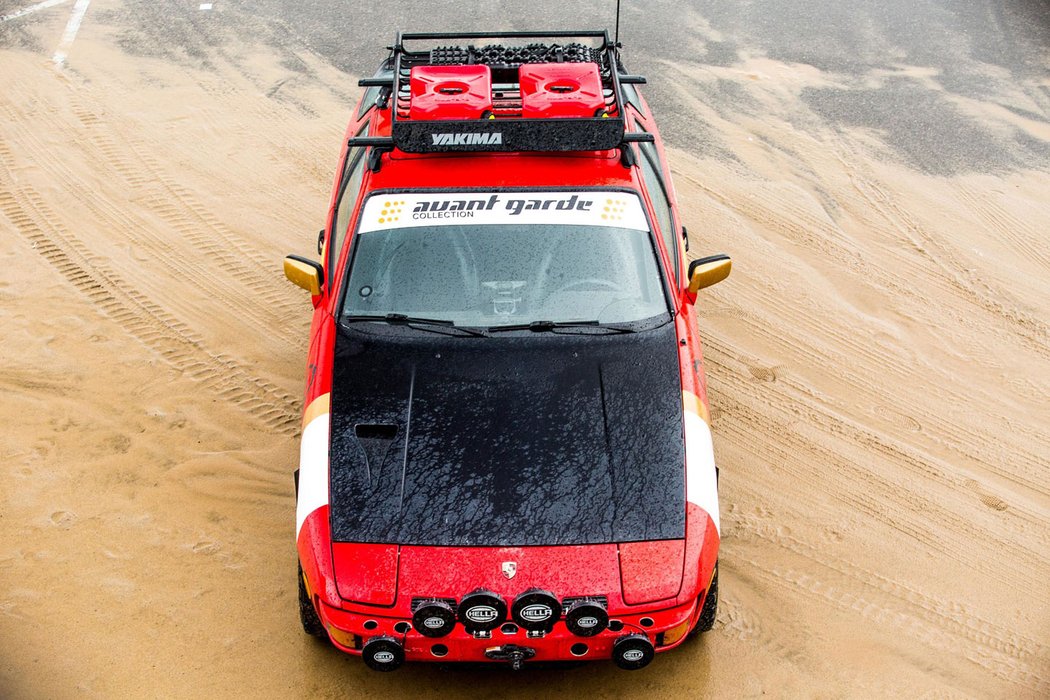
column 513, row 654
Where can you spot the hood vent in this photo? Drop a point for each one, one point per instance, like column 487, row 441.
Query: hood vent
column 376, row 439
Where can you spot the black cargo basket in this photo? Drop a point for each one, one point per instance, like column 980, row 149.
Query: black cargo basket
column 505, row 130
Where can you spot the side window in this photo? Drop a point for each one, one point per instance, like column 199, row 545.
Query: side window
column 347, row 198
column 650, row 165
column 630, row 95
column 367, row 100
column 372, row 92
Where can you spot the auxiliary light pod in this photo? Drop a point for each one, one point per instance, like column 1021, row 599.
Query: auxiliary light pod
column 434, row 618
column 633, row 651
column 586, row 617
column 536, row 610
column 383, row 654
column 482, row 611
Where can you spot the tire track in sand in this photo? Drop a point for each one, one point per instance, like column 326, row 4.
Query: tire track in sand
column 935, row 631
column 773, row 209
column 142, row 318
column 937, row 524
column 935, row 620
column 777, row 212
column 264, row 298
column 1031, row 330
column 974, row 444
column 1017, row 232
column 749, row 409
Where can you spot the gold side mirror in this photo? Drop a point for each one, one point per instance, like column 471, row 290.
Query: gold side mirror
column 708, row 271
column 304, row 273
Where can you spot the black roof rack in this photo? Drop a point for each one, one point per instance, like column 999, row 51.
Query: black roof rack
column 503, row 127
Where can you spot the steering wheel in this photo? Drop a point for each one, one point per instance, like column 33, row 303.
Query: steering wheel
column 592, row 281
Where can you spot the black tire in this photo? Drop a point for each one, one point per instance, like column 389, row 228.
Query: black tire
column 706, row 621
column 307, row 613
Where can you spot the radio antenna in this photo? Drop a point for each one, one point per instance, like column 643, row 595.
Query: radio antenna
column 616, row 36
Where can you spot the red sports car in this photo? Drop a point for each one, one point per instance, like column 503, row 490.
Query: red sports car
column 506, row 453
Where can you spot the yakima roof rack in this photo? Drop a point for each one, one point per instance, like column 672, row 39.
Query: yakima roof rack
column 481, row 94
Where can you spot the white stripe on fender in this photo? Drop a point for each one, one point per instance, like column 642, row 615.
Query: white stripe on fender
column 701, row 487
column 313, row 470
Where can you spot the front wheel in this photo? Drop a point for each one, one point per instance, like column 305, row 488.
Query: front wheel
column 707, row 615
column 307, row 613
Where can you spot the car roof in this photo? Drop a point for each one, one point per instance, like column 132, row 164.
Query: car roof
column 495, row 169
column 503, row 170
column 397, row 147
column 538, row 147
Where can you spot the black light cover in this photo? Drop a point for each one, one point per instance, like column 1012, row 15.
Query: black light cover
column 434, row 618
column 383, row 654
column 536, row 610
column 632, row 652
column 482, row 611
column 586, row 617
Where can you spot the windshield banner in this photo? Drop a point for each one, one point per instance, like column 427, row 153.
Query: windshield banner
column 412, row 209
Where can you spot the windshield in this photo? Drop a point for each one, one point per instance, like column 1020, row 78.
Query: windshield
column 487, row 259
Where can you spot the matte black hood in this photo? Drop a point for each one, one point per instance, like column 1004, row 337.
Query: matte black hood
column 509, row 440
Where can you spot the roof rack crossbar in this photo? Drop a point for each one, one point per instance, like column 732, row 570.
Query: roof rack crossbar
column 376, row 82
column 366, row 141
column 633, row 80
column 378, row 145
column 424, row 36
column 638, row 137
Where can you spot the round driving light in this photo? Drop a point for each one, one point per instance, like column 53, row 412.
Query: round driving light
column 482, row 611
column 434, row 618
column 632, row 652
column 586, row 617
column 536, row 610
column 383, row 654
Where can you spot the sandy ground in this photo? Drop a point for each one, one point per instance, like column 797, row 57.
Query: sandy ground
column 879, row 367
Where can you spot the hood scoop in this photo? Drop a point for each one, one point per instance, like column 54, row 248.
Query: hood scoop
column 377, row 441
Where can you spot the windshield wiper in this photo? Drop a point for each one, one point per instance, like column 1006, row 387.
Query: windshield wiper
column 553, row 326
column 424, row 324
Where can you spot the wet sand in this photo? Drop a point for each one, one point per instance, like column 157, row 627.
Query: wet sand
column 879, row 368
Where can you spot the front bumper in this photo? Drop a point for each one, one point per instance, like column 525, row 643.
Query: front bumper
column 350, row 630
